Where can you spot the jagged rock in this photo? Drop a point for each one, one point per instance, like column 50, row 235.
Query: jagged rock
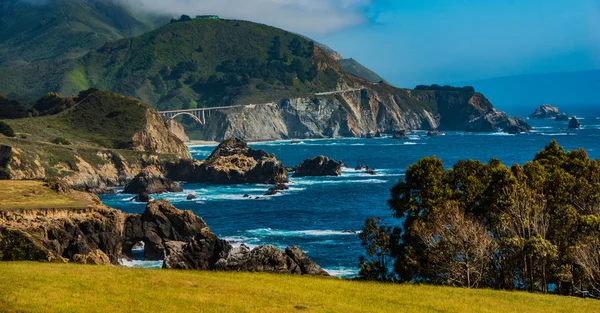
column 232, row 162
column 562, row 117
column 246, row 196
column 402, row 134
column 177, row 129
column 574, row 123
column 432, row 133
column 496, row 121
column 371, row 172
column 378, row 135
column 319, row 166
column 361, row 167
column 152, row 181
column 272, row 192
column 62, row 234
column 96, row 257
column 191, row 197
column 160, row 222
column 545, row 111
column 143, row 197
column 370, row 136
column 200, row 253
column 305, row 265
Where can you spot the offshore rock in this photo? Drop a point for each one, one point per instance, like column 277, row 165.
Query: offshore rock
column 232, row 162
column 496, row 121
column 403, row 134
column 433, row 133
column 160, row 222
column 319, row 166
column 151, row 181
column 207, row 252
column 574, row 123
column 562, row 117
column 545, row 111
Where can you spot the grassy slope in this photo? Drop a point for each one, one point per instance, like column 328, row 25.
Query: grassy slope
column 45, row 287
column 59, row 29
column 33, row 195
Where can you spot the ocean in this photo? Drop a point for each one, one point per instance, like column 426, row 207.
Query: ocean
column 320, row 214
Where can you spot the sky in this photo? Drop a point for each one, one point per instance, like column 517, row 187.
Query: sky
column 411, row 42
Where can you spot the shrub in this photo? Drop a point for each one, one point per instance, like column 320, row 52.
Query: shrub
column 6, row 130
column 61, row 141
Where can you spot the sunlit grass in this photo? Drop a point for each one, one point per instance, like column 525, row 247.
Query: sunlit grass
column 33, row 195
column 45, row 287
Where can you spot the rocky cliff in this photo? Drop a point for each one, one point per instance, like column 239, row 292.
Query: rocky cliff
column 374, row 109
column 102, row 140
column 85, row 231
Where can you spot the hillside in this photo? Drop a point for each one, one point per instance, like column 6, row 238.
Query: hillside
column 32, row 31
column 353, row 67
column 84, row 288
column 298, row 88
column 99, row 139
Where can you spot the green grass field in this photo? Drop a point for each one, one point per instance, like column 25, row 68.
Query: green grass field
column 47, row 287
column 33, row 195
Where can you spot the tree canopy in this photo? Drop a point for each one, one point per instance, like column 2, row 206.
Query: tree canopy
column 533, row 227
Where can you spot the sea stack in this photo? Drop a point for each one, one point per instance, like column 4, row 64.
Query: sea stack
column 545, row 111
column 574, row 123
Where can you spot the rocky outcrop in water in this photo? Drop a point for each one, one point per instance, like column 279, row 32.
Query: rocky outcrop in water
column 545, row 111
column 151, row 181
column 402, row 134
column 574, row 123
column 319, row 166
column 562, row 117
column 207, row 252
column 161, row 222
column 496, row 121
column 433, row 133
column 232, row 162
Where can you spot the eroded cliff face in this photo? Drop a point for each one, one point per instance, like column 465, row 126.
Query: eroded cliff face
column 348, row 114
column 157, row 137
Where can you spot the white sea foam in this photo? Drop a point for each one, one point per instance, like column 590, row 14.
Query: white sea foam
column 141, row 263
column 298, row 233
column 341, row 271
column 557, row 134
column 345, row 181
column 410, row 143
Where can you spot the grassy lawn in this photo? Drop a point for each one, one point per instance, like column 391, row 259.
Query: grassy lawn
column 33, row 195
column 46, row 287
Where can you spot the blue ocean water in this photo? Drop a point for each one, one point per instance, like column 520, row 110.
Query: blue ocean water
column 315, row 213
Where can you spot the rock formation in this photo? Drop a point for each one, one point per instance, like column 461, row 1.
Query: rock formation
column 319, row 166
column 562, row 117
column 151, row 181
column 207, row 252
column 161, row 222
column 495, row 121
column 177, row 129
column 545, row 111
column 433, row 133
column 90, row 235
column 232, row 162
column 402, row 134
column 574, row 123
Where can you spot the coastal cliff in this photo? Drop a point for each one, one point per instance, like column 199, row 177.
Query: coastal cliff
column 101, row 140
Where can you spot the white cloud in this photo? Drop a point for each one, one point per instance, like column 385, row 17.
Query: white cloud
column 303, row 16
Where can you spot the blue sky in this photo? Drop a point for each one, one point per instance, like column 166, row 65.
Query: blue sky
column 412, row 42
column 429, row 41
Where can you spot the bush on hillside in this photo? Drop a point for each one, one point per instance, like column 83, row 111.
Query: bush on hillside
column 6, row 130
column 61, row 141
column 445, row 88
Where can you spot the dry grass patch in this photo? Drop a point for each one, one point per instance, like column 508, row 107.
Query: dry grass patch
column 17, row 194
column 46, row 287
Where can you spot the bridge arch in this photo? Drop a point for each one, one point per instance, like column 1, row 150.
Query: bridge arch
column 197, row 119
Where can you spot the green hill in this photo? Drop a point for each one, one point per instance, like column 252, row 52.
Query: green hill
column 188, row 64
column 46, row 287
column 32, row 31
